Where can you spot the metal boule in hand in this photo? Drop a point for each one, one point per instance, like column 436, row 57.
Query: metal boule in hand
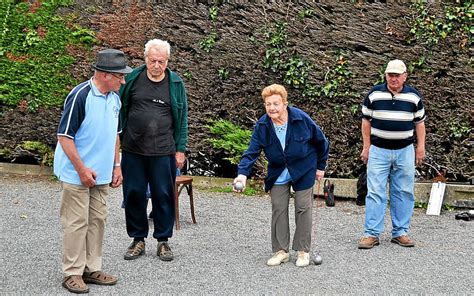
column 238, row 186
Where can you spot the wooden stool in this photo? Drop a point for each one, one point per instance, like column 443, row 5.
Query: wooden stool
column 181, row 183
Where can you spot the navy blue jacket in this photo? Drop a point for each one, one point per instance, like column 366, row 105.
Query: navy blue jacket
column 306, row 150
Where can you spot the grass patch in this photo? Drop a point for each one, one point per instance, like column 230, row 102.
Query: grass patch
column 33, row 53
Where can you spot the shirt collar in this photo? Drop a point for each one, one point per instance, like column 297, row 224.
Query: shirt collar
column 95, row 90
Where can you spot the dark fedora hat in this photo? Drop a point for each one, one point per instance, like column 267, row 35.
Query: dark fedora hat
column 111, row 60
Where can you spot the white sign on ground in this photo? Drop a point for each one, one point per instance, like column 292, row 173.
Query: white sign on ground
column 436, row 198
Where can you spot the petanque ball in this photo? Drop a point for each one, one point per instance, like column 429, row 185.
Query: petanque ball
column 238, row 186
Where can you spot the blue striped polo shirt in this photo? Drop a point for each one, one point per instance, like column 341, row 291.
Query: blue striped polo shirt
column 91, row 119
column 393, row 117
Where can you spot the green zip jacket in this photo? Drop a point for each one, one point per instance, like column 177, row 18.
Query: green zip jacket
column 179, row 105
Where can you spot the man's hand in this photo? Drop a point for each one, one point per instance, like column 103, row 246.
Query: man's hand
column 420, row 143
column 116, row 177
column 420, row 155
column 87, row 177
column 180, row 159
column 364, row 155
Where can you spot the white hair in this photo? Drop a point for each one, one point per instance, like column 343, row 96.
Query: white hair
column 158, row 44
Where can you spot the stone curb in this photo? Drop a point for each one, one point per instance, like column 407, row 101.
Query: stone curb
column 25, row 169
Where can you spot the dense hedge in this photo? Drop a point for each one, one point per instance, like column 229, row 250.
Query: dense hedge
column 327, row 54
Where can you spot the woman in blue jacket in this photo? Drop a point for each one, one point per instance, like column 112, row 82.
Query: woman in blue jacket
column 297, row 151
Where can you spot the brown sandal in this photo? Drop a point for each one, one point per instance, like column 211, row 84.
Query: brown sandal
column 99, row 278
column 75, row 284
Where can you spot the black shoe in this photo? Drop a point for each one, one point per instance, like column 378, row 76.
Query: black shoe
column 135, row 250
column 164, row 251
column 466, row 216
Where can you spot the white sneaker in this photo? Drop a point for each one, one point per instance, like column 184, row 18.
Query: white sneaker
column 278, row 258
column 303, row 259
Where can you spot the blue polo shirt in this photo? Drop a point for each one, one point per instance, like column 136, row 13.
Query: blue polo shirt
column 91, row 119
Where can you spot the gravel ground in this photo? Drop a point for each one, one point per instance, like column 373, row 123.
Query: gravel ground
column 225, row 253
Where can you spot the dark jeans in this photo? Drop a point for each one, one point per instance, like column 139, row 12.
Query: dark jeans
column 160, row 173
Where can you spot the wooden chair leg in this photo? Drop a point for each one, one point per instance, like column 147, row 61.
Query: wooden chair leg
column 176, row 206
column 191, row 202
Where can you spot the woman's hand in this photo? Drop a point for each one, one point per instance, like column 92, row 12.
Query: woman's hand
column 240, row 179
column 319, row 175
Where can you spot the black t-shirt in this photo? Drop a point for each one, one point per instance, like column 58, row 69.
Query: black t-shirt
column 149, row 128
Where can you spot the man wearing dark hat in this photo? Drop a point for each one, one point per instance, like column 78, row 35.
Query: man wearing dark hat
column 393, row 117
column 86, row 162
column 154, row 138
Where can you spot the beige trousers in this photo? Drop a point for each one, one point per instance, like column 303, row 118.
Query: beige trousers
column 280, row 196
column 83, row 216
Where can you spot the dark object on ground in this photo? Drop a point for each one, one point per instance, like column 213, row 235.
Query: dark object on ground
column 466, row 216
column 329, row 193
column 361, row 188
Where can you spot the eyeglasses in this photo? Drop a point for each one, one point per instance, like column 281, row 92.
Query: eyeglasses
column 118, row 76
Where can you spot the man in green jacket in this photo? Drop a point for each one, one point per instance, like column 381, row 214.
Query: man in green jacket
column 154, row 118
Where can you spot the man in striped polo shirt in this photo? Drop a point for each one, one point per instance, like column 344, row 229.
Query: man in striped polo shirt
column 393, row 114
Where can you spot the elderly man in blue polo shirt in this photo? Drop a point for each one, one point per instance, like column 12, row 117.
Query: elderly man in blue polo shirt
column 87, row 161
column 393, row 115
